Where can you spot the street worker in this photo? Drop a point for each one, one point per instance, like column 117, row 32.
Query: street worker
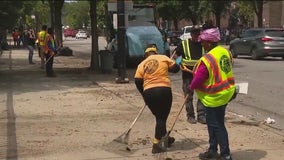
column 49, row 51
column 152, row 81
column 41, row 36
column 214, row 84
column 191, row 51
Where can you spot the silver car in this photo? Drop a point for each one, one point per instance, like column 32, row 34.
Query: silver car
column 259, row 43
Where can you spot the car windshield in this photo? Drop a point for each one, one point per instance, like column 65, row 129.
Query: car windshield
column 275, row 33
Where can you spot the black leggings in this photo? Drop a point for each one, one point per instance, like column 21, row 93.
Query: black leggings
column 159, row 101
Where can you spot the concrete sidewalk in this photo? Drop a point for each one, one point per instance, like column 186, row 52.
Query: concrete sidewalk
column 107, row 110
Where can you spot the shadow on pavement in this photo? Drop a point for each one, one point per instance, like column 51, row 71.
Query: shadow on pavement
column 249, row 154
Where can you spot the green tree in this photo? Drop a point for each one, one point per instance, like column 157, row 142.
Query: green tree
column 218, row 8
column 9, row 15
column 243, row 11
column 77, row 14
column 36, row 14
column 258, row 9
column 192, row 10
column 55, row 16
column 170, row 11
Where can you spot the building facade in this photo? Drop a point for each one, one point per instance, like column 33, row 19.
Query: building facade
column 273, row 14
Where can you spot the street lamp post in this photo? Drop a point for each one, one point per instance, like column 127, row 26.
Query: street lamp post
column 121, row 43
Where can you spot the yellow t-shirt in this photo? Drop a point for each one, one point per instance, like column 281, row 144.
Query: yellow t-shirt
column 154, row 71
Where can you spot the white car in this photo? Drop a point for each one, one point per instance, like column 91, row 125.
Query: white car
column 81, row 34
column 186, row 32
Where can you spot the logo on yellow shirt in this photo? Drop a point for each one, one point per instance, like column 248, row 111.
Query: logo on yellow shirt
column 151, row 66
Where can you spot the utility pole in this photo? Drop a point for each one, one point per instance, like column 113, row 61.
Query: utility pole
column 121, row 30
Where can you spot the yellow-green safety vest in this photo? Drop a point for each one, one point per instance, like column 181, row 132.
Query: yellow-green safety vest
column 187, row 61
column 220, row 85
column 41, row 37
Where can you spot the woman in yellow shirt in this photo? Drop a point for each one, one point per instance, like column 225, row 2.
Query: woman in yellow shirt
column 152, row 81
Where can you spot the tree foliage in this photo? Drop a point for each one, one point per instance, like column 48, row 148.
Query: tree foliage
column 77, row 14
column 257, row 6
column 9, row 14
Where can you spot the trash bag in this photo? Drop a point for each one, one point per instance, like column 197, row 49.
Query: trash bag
column 65, row 51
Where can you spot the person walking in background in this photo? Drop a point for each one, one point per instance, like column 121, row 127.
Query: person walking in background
column 191, row 51
column 227, row 36
column 214, row 84
column 49, row 50
column 15, row 36
column 41, row 37
column 152, row 81
column 30, row 40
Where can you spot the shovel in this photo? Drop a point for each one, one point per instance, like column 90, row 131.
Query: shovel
column 125, row 136
column 163, row 143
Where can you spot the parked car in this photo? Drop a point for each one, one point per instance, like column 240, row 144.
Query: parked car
column 81, row 34
column 259, row 43
column 173, row 37
column 69, row 32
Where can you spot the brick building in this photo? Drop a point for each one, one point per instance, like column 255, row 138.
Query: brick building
column 273, row 14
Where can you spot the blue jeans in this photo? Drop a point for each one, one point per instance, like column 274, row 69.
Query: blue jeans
column 218, row 135
column 189, row 101
column 31, row 53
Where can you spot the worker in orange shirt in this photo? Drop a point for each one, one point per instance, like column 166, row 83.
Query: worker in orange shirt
column 152, row 81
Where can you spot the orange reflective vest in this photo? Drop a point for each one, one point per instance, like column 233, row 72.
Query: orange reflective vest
column 49, row 38
column 220, row 86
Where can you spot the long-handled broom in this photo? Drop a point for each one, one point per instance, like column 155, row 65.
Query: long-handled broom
column 125, row 136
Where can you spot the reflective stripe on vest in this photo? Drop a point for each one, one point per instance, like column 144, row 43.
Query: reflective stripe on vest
column 187, row 61
column 218, row 89
column 219, row 84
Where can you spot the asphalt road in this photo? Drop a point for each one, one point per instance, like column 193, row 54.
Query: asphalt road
column 265, row 78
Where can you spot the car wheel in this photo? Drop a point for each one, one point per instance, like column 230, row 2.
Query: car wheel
column 254, row 55
column 234, row 53
column 282, row 58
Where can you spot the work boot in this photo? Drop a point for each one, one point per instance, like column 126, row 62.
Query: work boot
column 209, row 155
column 191, row 120
column 171, row 140
column 201, row 120
column 157, row 149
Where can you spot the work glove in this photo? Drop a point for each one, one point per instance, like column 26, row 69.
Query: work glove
column 178, row 60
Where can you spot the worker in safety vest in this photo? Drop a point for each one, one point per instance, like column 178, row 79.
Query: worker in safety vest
column 191, row 51
column 214, row 84
column 49, row 51
column 41, row 36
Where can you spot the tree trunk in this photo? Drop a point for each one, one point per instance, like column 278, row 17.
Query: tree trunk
column 94, row 66
column 260, row 13
column 218, row 20
column 176, row 25
column 55, row 17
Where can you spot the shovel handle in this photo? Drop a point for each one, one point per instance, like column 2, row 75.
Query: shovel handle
column 181, row 108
